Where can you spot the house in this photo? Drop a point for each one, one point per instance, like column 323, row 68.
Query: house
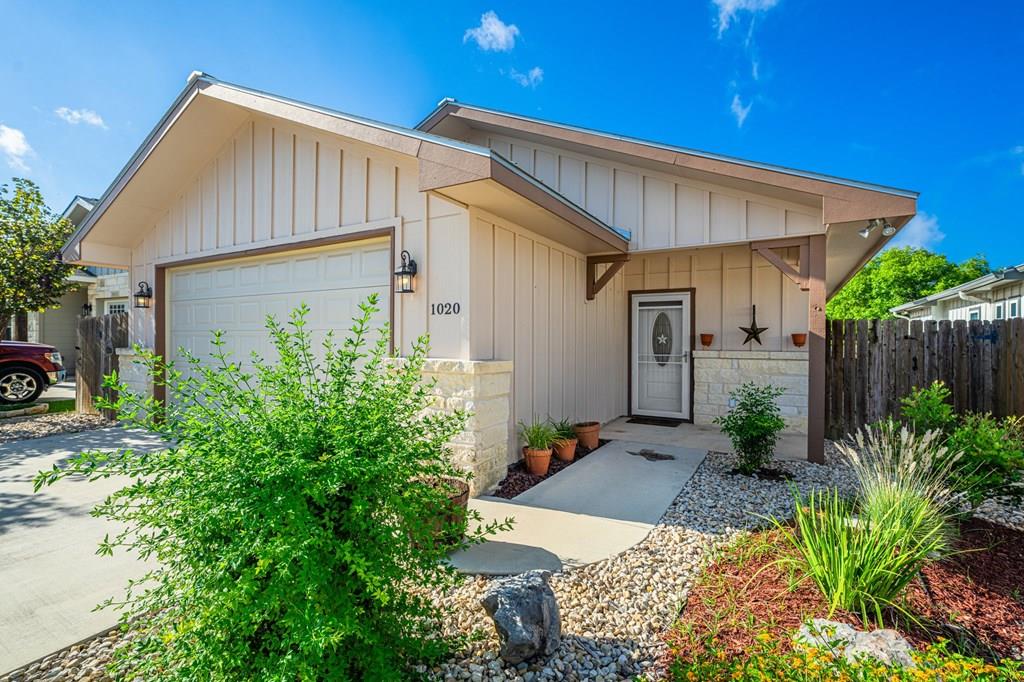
column 995, row 296
column 559, row 271
column 100, row 290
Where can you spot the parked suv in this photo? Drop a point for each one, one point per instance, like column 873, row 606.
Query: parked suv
column 28, row 369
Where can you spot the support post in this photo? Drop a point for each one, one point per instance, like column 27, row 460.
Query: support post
column 816, row 350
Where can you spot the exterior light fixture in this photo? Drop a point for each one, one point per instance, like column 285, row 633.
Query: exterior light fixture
column 865, row 232
column 888, row 230
column 86, row 309
column 143, row 298
column 404, row 275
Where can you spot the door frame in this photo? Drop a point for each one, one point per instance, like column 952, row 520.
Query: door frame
column 692, row 291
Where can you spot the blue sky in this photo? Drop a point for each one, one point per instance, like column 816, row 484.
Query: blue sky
column 925, row 96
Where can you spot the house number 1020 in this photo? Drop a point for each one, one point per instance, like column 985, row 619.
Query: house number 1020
column 445, row 308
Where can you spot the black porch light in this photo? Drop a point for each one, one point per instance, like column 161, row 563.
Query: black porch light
column 87, row 309
column 405, row 274
column 143, row 298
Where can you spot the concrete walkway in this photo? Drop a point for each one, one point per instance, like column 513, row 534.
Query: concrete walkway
column 50, row 575
column 791, row 446
column 597, row 508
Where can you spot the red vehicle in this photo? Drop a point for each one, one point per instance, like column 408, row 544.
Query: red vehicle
column 28, row 369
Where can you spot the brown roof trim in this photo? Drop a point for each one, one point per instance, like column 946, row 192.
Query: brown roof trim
column 843, row 200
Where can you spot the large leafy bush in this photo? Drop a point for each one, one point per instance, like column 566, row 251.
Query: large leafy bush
column 295, row 516
column 753, row 425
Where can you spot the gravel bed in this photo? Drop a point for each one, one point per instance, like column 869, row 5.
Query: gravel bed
column 23, row 428
column 83, row 662
column 1009, row 515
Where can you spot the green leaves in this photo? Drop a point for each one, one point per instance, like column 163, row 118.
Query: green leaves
column 295, row 516
column 32, row 276
column 898, row 276
column 753, row 425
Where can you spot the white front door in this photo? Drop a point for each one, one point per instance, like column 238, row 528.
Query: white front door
column 661, row 362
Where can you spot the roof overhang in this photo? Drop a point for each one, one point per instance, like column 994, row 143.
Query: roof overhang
column 208, row 111
column 982, row 284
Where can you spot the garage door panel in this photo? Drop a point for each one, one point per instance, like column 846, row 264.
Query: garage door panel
column 236, row 297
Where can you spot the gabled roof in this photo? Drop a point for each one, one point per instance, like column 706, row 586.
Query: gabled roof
column 844, row 200
column 983, row 283
column 443, row 162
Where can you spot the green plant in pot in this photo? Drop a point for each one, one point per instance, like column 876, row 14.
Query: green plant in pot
column 539, row 437
column 753, row 425
column 565, row 440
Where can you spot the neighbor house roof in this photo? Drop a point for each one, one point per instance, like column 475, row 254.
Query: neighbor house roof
column 844, row 200
column 978, row 285
column 443, row 162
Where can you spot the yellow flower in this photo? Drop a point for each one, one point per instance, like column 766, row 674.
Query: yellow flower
column 690, row 676
column 737, row 674
column 796, row 662
column 764, row 637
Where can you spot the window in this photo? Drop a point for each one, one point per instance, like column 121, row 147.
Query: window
column 974, row 313
column 999, row 311
column 116, row 306
column 1014, row 309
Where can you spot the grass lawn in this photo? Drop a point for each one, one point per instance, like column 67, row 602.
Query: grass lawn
column 56, row 406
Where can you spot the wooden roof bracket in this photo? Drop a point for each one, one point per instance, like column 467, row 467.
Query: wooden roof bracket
column 595, row 284
column 767, row 250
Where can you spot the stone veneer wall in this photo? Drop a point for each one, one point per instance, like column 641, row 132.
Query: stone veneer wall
column 717, row 372
column 482, row 388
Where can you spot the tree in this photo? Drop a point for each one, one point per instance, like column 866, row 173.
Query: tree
column 897, row 276
column 32, row 275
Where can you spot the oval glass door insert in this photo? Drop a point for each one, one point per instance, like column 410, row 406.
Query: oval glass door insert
column 661, row 339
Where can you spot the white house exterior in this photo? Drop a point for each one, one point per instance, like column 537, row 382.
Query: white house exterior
column 996, row 296
column 562, row 271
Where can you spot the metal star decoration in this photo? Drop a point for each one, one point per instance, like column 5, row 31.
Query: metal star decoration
column 753, row 331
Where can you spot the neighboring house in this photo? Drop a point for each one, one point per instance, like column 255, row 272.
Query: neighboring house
column 561, row 271
column 996, row 296
column 97, row 290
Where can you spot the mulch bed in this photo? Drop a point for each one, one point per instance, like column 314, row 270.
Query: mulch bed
column 973, row 598
column 518, row 480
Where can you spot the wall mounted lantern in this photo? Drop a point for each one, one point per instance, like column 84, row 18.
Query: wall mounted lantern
column 86, row 309
column 144, row 296
column 404, row 275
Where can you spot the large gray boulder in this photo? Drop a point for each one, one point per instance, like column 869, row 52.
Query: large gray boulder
column 885, row 646
column 525, row 614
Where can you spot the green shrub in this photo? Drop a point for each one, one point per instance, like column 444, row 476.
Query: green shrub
column 864, row 563
column 928, row 409
column 769, row 659
column 992, row 458
column 294, row 517
column 538, row 435
column 753, row 425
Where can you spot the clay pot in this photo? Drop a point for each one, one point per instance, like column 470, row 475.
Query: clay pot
column 565, row 450
column 799, row 340
column 538, row 461
column 450, row 522
column 707, row 339
column 587, row 433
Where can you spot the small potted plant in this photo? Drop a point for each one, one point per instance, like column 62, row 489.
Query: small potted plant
column 707, row 339
column 587, row 433
column 565, row 440
column 799, row 339
column 539, row 437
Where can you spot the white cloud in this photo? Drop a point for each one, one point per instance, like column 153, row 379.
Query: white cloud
column 922, row 231
column 492, row 34
column 729, row 9
column 15, row 147
column 76, row 116
column 739, row 110
column 530, row 79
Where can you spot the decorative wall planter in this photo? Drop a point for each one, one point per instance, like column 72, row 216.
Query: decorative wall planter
column 587, row 433
column 707, row 339
column 799, row 339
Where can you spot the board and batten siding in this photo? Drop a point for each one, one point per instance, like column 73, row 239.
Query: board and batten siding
column 660, row 210
column 277, row 183
column 727, row 282
column 959, row 309
column 527, row 301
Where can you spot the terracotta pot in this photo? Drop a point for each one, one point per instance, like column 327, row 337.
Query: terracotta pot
column 565, row 450
column 450, row 522
column 587, row 433
column 538, row 461
column 799, row 340
column 707, row 339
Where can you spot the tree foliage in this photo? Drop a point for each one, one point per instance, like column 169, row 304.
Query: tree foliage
column 296, row 516
column 900, row 275
column 32, row 276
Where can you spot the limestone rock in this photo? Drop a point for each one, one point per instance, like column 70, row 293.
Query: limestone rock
column 525, row 614
column 885, row 646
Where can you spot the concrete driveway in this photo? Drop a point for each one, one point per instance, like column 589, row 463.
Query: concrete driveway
column 50, row 576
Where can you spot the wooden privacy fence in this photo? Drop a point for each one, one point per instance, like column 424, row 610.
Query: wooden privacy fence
column 99, row 338
column 871, row 364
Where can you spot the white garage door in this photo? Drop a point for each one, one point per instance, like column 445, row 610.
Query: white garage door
column 237, row 295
